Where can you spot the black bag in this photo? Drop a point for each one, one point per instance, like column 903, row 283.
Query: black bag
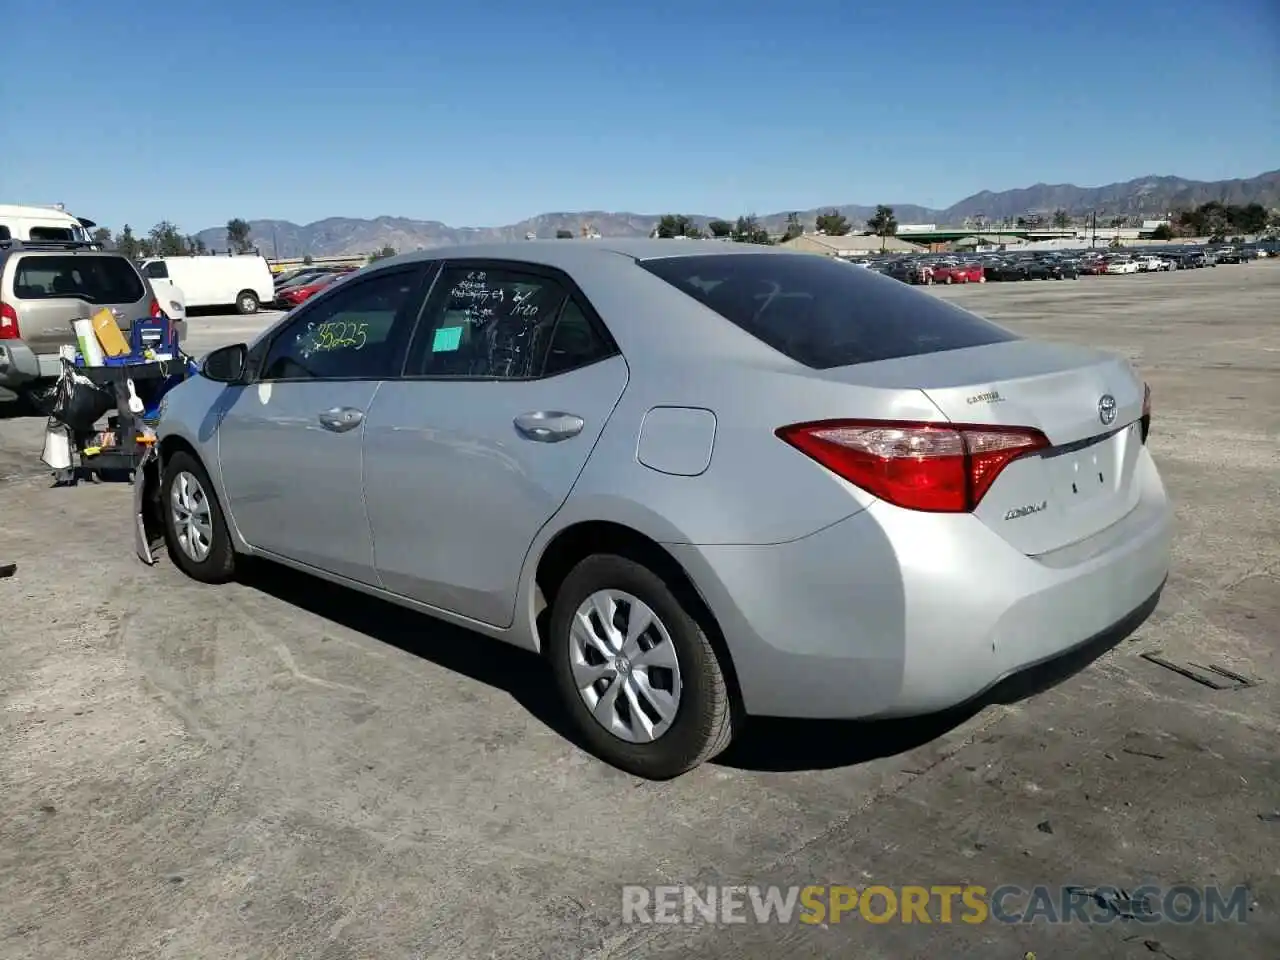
column 78, row 402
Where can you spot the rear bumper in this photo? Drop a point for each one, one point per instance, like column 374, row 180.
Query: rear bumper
column 20, row 364
column 893, row 612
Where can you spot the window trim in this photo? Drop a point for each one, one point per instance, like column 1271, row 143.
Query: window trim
column 423, row 276
column 570, row 286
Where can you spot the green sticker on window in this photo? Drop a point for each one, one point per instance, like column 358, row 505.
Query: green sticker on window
column 446, row 339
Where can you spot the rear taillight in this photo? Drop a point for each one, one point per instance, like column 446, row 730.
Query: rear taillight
column 155, row 310
column 1146, row 411
column 940, row 468
column 9, row 323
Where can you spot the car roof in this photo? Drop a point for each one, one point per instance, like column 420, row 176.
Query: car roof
column 576, row 254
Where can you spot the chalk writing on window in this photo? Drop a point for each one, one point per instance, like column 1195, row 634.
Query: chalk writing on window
column 332, row 335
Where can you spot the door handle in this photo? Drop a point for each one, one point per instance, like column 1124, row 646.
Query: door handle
column 341, row 419
column 549, row 426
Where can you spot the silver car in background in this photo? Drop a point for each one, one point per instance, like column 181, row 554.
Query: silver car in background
column 705, row 480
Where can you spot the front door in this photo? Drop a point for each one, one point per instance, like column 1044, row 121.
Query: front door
column 509, row 381
column 289, row 446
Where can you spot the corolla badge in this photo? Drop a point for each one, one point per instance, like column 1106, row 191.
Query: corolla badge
column 1107, row 409
column 1019, row 512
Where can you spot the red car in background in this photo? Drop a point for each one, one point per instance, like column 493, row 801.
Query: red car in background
column 958, row 273
column 290, row 297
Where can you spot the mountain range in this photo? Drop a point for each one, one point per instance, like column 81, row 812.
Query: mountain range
column 1151, row 197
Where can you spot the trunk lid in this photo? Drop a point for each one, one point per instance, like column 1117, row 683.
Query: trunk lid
column 1085, row 482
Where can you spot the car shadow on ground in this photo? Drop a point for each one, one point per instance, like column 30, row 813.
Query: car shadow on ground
column 765, row 745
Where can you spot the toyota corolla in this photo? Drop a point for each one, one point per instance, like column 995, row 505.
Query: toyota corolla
column 704, row 480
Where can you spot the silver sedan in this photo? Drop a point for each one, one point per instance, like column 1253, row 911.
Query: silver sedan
column 705, row 480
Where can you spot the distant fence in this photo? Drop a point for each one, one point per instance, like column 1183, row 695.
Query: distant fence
column 292, row 263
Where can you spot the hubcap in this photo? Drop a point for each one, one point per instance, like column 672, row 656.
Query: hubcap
column 191, row 521
column 625, row 666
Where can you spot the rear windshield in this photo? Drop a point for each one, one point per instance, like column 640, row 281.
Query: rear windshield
column 81, row 277
column 823, row 313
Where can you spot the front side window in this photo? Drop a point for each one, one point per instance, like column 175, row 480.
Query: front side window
column 93, row 279
column 349, row 334
column 488, row 323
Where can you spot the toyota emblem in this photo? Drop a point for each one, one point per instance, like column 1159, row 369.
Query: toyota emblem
column 1107, row 409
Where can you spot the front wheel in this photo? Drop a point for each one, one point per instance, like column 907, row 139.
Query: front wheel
column 247, row 302
column 635, row 668
column 194, row 529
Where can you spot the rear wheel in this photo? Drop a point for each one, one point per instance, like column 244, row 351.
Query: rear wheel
column 194, row 528
column 247, row 301
column 637, row 673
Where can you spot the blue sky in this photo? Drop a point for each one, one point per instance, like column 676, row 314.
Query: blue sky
column 487, row 112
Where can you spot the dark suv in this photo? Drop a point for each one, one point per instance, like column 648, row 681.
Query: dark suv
column 44, row 287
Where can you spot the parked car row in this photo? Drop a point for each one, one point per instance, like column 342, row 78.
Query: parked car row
column 1010, row 266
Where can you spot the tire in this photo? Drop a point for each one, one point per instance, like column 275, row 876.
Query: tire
column 216, row 562
column 247, row 302
column 702, row 724
column 948, row 280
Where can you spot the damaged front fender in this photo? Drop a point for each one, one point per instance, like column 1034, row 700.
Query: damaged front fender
column 148, row 522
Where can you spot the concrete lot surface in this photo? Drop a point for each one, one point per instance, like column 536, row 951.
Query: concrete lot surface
column 278, row 768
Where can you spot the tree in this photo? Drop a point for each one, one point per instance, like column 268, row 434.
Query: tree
column 386, row 251
column 127, row 244
column 748, row 230
column 1162, row 232
column 308, row 260
column 1251, row 218
column 833, row 223
column 1273, row 224
column 101, row 236
column 677, row 225
column 720, row 228
column 238, row 236
column 564, row 234
column 794, row 229
column 883, row 224
column 1061, row 219
column 166, row 241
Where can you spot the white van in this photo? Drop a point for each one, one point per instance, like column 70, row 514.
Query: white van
column 48, row 224
column 213, row 281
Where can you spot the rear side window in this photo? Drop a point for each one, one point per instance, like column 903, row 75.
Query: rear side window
column 52, row 234
column 80, row 277
column 822, row 313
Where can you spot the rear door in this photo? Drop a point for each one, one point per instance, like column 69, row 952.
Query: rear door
column 510, row 379
column 53, row 289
